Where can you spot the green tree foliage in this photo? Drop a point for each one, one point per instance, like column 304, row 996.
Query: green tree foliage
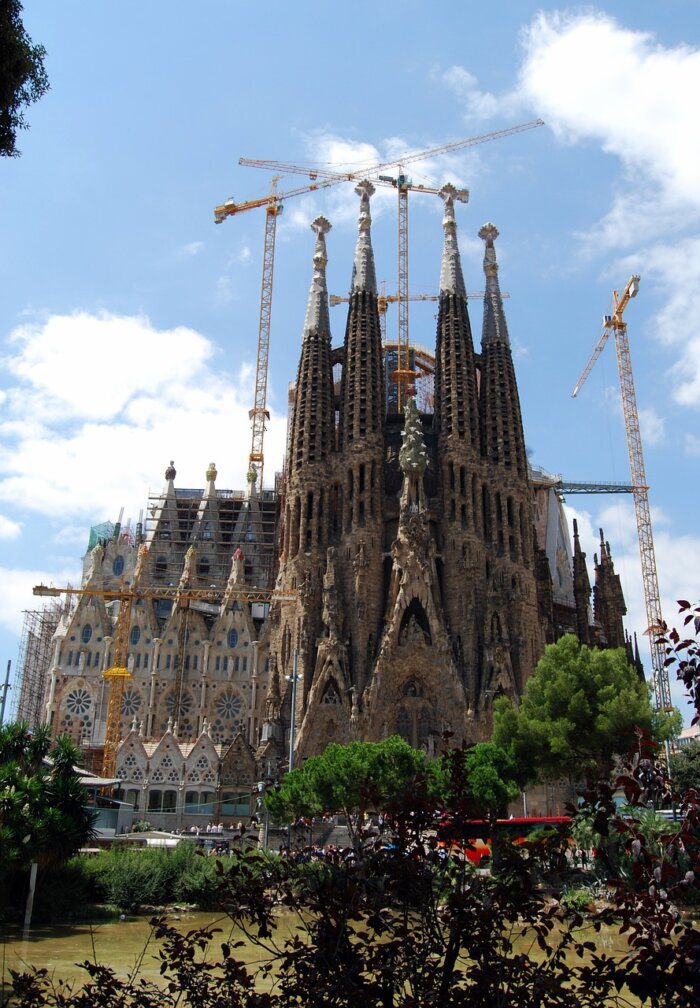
column 43, row 806
column 491, row 775
column 350, row 779
column 580, row 708
column 23, row 78
column 685, row 768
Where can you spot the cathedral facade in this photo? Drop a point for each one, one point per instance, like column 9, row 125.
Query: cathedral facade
column 417, row 570
column 408, row 539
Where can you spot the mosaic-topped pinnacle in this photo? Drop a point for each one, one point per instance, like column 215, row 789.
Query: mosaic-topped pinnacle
column 170, row 472
column 451, row 277
column 413, row 457
column 363, row 273
column 211, row 473
column 364, row 190
column 488, row 233
column 321, row 225
column 317, row 305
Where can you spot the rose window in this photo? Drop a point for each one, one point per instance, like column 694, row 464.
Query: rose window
column 79, row 701
column 185, row 706
column 131, row 702
column 229, row 706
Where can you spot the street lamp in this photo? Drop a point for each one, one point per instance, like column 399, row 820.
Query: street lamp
column 294, row 678
column 262, row 787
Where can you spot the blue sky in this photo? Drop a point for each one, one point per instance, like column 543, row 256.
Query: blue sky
column 129, row 320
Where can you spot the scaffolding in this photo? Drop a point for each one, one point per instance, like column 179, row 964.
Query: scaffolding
column 240, row 520
column 35, row 658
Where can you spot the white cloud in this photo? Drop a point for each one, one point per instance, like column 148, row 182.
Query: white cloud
column 591, row 78
column 652, row 426
column 16, row 591
column 594, row 80
column 90, row 366
column 191, row 249
column 339, row 202
column 113, row 400
column 480, row 104
column 9, row 529
column 71, row 535
column 692, row 444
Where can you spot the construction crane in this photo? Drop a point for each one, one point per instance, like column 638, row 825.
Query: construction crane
column 615, row 324
column 421, row 363
column 384, row 300
column 127, row 595
column 323, row 177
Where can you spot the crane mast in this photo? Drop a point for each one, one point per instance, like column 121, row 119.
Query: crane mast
column 404, row 373
column 118, row 672
column 259, row 413
column 652, row 599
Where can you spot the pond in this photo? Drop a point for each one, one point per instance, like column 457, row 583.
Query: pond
column 123, row 943
column 119, row 943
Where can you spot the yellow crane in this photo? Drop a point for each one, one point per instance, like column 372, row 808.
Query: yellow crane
column 615, row 324
column 321, row 177
column 384, row 300
column 118, row 672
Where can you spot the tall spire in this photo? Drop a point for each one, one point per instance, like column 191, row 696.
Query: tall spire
column 312, row 436
column 317, row 319
column 495, row 327
column 451, row 279
column 362, row 396
column 363, row 273
column 456, row 401
column 502, row 435
column 608, row 598
column 582, row 589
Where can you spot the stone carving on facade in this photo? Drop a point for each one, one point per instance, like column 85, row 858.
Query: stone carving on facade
column 331, row 601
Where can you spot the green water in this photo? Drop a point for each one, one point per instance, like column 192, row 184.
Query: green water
column 129, row 943
column 120, row 944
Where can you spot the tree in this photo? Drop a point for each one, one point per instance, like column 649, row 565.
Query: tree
column 44, row 816
column 580, row 709
column 685, row 768
column 23, row 78
column 350, row 779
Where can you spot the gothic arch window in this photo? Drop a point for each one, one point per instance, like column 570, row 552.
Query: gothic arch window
column 414, row 624
column 118, row 566
column 496, row 630
column 232, row 638
column 412, row 688
column 135, row 636
column 286, row 646
column 86, row 634
column 331, row 694
column 414, row 722
column 423, row 728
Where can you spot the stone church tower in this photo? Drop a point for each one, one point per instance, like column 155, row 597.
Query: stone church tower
column 408, row 546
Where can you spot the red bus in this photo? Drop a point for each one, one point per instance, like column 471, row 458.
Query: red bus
column 478, row 832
